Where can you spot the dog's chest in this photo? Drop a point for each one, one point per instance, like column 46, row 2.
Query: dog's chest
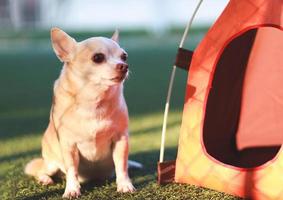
column 97, row 140
column 98, row 148
column 92, row 126
column 87, row 123
column 94, row 142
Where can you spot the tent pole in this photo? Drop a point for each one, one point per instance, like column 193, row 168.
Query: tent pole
column 167, row 105
column 172, row 78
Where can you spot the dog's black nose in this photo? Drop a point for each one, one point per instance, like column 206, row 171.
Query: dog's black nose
column 122, row 67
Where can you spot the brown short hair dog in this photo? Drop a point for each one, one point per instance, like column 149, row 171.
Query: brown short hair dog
column 87, row 136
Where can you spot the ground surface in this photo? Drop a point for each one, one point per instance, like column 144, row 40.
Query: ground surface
column 27, row 71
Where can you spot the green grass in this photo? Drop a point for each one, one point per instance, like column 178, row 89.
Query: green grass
column 26, row 76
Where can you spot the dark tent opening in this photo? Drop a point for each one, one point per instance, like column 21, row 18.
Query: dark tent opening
column 224, row 107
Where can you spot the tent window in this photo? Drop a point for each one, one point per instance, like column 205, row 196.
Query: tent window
column 224, row 107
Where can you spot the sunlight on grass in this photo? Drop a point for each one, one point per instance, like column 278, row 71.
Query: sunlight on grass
column 20, row 144
column 146, row 130
column 145, row 136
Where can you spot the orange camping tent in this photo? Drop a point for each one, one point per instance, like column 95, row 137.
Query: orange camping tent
column 232, row 125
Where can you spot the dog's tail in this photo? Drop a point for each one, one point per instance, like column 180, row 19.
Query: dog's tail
column 134, row 165
column 34, row 166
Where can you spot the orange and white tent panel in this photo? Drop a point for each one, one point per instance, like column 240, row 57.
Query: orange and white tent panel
column 232, row 125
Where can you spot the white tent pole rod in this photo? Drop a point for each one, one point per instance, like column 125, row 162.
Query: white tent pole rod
column 172, row 78
column 188, row 27
column 167, row 105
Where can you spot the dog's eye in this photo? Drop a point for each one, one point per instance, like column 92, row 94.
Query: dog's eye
column 124, row 57
column 98, row 58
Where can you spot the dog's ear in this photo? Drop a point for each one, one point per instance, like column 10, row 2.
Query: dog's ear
column 63, row 45
column 115, row 36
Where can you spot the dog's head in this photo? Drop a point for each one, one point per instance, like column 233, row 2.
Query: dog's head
column 98, row 59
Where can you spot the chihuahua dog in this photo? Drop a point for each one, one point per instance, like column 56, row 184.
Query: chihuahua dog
column 87, row 135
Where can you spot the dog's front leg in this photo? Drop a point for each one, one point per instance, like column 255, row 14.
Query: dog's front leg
column 120, row 157
column 71, row 160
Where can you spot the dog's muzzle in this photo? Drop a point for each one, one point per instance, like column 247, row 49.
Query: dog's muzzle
column 122, row 72
column 122, row 67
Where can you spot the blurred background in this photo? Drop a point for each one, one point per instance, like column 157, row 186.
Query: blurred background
column 22, row 21
column 153, row 15
column 150, row 31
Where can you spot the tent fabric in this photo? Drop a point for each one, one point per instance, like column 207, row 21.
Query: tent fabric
column 194, row 163
column 261, row 118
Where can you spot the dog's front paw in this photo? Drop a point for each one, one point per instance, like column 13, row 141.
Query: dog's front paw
column 125, row 185
column 72, row 191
